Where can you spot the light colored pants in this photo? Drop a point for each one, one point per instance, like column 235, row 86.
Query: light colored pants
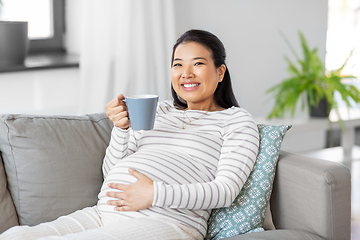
column 87, row 224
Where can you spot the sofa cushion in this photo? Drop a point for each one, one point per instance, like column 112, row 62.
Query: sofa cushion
column 53, row 163
column 8, row 217
column 247, row 212
column 268, row 221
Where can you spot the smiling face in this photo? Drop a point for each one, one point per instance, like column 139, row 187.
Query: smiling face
column 195, row 77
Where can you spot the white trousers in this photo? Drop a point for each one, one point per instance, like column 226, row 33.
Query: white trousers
column 87, row 224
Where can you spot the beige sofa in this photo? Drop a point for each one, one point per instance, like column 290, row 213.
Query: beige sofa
column 51, row 166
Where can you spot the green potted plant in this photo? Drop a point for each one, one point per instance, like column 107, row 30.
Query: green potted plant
column 311, row 83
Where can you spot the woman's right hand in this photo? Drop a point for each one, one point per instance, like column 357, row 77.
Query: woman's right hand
column 116, row 112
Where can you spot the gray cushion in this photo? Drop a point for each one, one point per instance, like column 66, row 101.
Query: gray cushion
column 8, row 215
column 268, row 222
column 53, row 163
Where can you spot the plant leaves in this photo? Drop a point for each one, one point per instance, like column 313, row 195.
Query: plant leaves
column 309, row 80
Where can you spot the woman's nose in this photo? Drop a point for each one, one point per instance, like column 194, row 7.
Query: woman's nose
column 188, row 73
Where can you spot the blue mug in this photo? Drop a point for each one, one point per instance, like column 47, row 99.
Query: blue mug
column 142, row 110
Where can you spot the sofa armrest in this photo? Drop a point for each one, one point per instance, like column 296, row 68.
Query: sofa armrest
column 313, row 196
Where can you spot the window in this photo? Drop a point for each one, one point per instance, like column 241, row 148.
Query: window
column 46, row 21
column 343, row 36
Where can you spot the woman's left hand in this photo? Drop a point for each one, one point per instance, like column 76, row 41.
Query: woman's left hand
column 135, row 196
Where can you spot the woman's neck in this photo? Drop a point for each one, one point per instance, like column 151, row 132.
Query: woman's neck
column 209, row 107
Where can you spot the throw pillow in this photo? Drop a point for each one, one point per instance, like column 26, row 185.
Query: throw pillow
column 53, row 163
column 247, row 212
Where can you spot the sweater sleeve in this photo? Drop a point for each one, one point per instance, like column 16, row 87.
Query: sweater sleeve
column 238, row 155
column 123, row 143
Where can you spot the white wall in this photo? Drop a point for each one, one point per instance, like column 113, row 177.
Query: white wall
column 40, row 92
column 248, row 29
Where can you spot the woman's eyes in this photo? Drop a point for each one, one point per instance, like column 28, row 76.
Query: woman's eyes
column 196, row 64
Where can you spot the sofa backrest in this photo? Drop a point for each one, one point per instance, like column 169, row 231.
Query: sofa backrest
column 53, row 163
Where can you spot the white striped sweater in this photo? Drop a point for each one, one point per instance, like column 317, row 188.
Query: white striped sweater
column 194, row 170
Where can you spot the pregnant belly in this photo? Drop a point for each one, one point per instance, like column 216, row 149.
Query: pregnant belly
column 168, row 166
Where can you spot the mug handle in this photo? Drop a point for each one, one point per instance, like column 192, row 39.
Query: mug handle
column 124, row 100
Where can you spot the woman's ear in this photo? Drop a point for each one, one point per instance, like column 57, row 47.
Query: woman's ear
column 221, row 72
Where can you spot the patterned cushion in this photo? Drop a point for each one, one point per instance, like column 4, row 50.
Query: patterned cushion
column 247, row 212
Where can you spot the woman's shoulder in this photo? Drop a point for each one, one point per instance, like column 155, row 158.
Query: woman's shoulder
column 234, row 112
column 239, row 116
column 165, row 106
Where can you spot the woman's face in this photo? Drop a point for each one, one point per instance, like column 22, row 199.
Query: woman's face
column 194, row 75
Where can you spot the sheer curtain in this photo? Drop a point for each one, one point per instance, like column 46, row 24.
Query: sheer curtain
column 125, row 48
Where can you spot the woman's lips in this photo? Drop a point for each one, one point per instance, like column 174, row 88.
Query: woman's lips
column 190, row 86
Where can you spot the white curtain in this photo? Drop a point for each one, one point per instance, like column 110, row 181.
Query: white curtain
column 126, row 48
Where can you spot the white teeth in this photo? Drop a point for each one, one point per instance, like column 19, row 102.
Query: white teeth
column 191, row 85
